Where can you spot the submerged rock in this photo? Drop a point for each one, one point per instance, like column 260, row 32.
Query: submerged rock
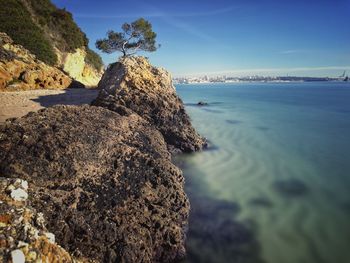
column 202, row 103
column 135, row 84
column 104, row 182
column 291, row 187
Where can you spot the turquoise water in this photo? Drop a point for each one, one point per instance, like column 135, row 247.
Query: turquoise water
column 275, row 185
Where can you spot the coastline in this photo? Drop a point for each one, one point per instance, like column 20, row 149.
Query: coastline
column 257, row 82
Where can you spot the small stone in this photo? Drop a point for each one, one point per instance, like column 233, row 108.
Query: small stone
column 10, row 187
column 40, row 220
column 19, row 195
column 50, row 237
column 24, row 185
column 32, row 255
column 17, row 256
column 22, row 244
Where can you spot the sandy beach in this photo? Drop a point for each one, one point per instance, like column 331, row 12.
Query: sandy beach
column 18, row 104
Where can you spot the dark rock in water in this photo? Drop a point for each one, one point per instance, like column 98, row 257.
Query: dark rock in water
column 215, row 236
column 261, row 202
column 345, row 206
column 291, row 188
column 202, row 103
column 211, row 146
column 104, row 182
column 212, row 110
column 262, row 128
column 233, row 121
column 136, row 85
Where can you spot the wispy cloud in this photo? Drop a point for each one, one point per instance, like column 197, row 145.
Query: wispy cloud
column 273, row 71
column 172, row 19
column 291, row 51
column 177, row 21
column 188, row 28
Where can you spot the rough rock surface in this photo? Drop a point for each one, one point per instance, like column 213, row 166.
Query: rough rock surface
column 23, row 235
column 20, row 70
column 104, row 182
column 75, row 66
column 135, row 84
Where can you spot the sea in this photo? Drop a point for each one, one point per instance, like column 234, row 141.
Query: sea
column 274, row 184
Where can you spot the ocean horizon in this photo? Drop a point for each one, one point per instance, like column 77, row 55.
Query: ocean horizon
column 274, row 184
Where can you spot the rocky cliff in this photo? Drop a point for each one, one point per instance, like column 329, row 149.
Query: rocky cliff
column 147, row 90
column 52, row 36
column 103, row 180
column 21, row 70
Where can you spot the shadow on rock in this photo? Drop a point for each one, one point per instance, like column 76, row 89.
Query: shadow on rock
column 74, row 96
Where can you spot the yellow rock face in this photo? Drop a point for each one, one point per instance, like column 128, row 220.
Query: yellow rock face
column 74, row 65
column 20, row 70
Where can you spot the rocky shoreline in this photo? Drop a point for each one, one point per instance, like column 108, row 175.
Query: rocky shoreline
column 102, row 176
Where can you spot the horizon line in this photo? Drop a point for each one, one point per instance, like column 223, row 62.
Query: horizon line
column 263, row 70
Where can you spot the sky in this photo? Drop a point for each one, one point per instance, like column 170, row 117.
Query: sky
column 232, row 38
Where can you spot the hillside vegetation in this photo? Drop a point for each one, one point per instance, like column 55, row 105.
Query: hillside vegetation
column 16, row 21
column 38, row 25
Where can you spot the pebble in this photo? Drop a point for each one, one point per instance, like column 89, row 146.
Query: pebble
column 22, row 244
column 19, row 195
column 24, row 185
column 17, row 256
column 50, row 237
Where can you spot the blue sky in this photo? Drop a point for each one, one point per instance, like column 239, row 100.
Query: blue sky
column 238, row 37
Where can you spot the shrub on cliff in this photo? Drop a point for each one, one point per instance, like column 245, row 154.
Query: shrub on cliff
column 39, row 25
column 67, row 35
column 15, row 20
column 135, row 36
column 93, row 59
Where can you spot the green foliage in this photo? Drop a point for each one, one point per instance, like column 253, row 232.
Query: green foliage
column 135, row 36
column 93, row 59
column 45, row 27
column 15, row 20
column 67, row 35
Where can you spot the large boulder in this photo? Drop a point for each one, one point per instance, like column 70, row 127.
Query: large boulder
column 135, row 84
column 104, row 182
column 20, row 70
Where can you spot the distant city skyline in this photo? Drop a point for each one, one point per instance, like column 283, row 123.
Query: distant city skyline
column 240, row 38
